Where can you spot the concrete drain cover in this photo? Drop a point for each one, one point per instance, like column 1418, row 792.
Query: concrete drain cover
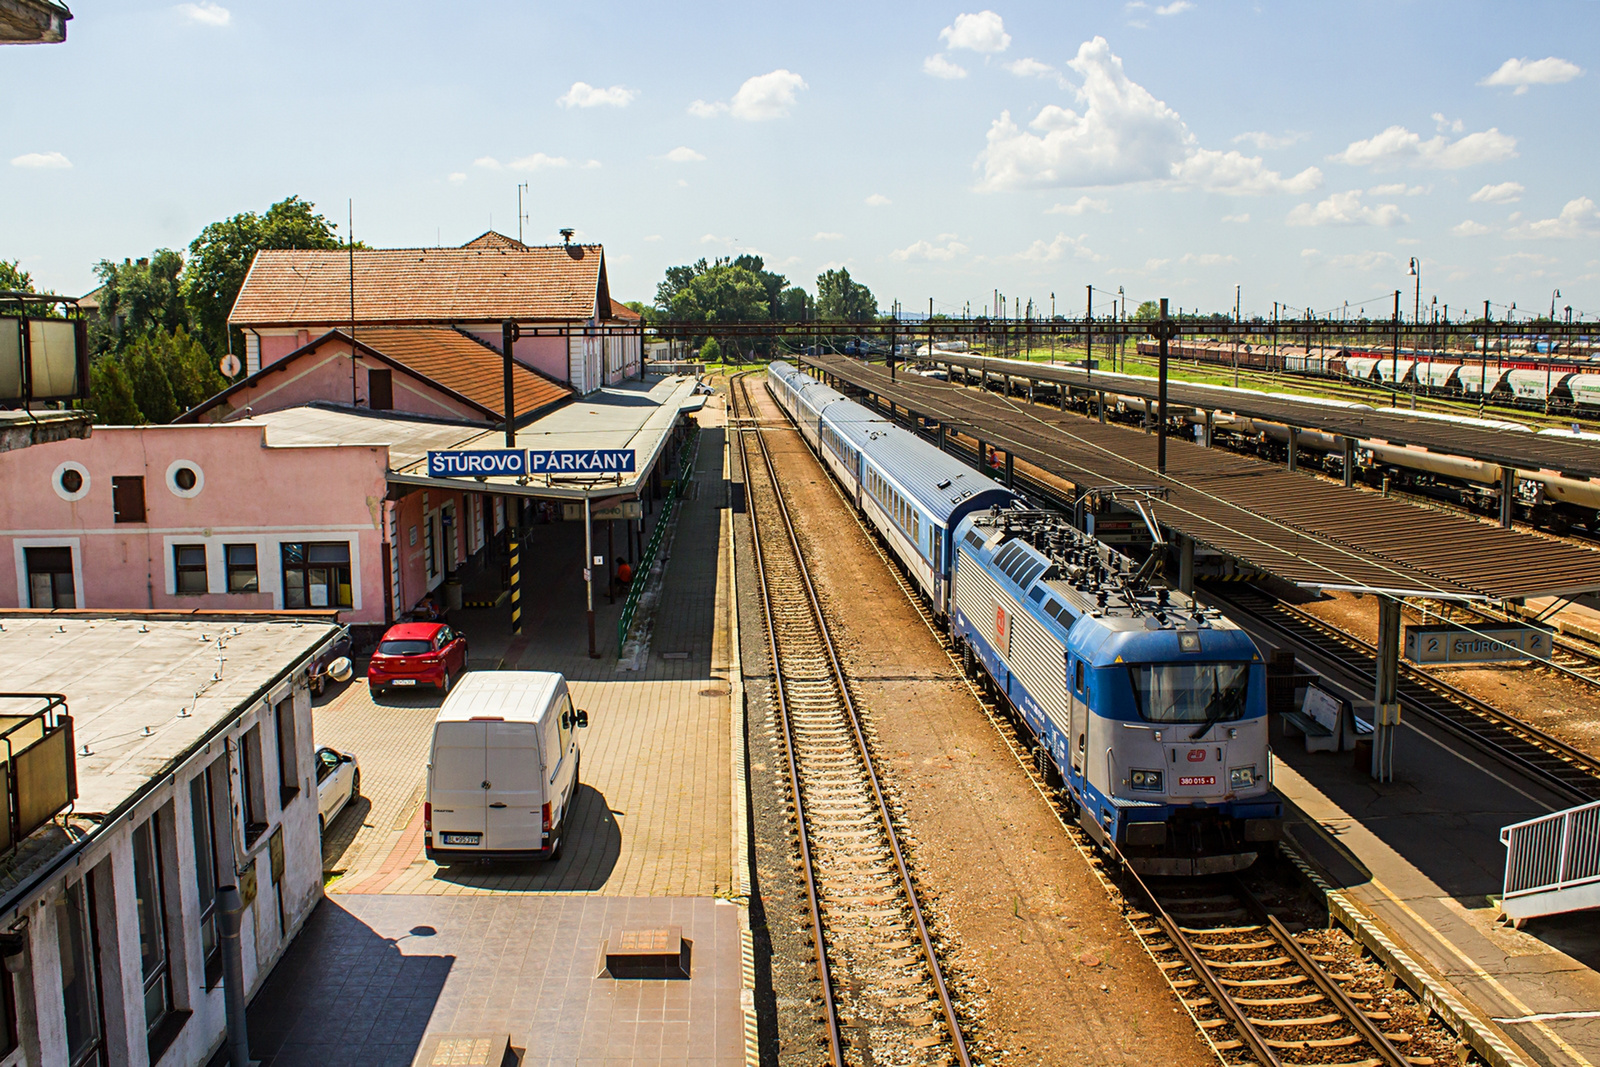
column 463, row 1050
column 646, row 952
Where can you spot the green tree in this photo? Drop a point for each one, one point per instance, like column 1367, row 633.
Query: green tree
column 841, row 297
column 13, row 278
column 111, row 394
column 773, row 283
column 220, row 257
column 795, row 305
column 711, row 352
column 138, row 297
column 147, row 374
column 1149, row 311
column 718, row 292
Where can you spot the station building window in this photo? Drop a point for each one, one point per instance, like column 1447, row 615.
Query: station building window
column 50, row 578
column 241, row 563
column 252, row 797
column 77, row 937
column 127, row 498
column 203, row 792
column 189, row 569
column 288, row 753
column 317, row 575
column 380, row 390
column 149, row 900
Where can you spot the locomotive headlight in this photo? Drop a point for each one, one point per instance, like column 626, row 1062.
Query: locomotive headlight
column 1242, row 777
column 1149, row 780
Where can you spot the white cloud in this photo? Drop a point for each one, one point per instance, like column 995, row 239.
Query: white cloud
column 582, row 94
column 1444, row 125
column 1079, row 206
column 1177, row 7
column 1207, row 259
column 457, row 178
column 537, row 161
column 1346, row 209
column 983, row 32
column 1399, row 147
column 1365, row 261
column 487, row 163
column 1121, row 135
column 939, row 66
column 878, row 200
column 1398, row 189
column 826, row 236
column 1234, row 172
column 653, row 237
column 1503, row 193
column 1579, row 218
column 765, row 96
column 205, row 13
column 1522, row 73
column 1030, row 68
column 1264, row 141
column 591, row 164
column 713, row 239
column 41, row 161
column 928, row 250
column 1468, row 228
column 1042, row 251
column 1241, row 217
column 683, row 154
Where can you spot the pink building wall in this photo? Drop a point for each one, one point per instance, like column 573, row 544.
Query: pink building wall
column 325, row 375
column 243, row 493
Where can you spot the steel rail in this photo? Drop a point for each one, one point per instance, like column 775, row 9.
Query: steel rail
column 1331, row 642
column 1369, row 1030
column 780, row 691
column 853, row 716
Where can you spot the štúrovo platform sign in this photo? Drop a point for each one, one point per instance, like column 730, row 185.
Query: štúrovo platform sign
column 581, row 461
column 477, row 463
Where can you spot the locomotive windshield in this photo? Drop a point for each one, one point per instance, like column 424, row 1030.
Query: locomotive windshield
column 1190, row 692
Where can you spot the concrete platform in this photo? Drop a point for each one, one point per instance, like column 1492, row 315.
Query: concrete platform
column 1421, row 856
column 515, row 948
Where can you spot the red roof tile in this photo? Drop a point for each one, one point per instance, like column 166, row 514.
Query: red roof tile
column 463, row 365
column 495, row 239
column 418, row 286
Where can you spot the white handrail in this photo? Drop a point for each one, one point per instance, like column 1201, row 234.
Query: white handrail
column 1552, row 852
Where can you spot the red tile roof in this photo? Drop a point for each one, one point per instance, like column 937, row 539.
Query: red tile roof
column 463, row 365
column 622, row 311
column 417, row 286
column 495, row 239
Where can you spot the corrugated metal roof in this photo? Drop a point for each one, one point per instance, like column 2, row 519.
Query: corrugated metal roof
column 1523, row 451
column 1298, row 527
column 939, row 483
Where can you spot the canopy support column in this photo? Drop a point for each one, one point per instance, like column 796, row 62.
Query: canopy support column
column 1385, row 699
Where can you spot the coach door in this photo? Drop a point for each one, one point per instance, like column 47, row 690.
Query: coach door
column 1078, row 699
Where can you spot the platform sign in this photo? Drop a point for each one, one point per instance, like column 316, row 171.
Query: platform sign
column 465, row 463
column 624, row 509
column 1475, row 644
column 581, row 461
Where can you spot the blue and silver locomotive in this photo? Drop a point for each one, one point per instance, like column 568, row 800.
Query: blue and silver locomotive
column 1148, row 710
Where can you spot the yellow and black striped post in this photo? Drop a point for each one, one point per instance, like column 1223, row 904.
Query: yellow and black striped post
column 516, row 582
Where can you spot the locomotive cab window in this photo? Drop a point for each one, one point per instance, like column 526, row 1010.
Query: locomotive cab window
column 1190, row 692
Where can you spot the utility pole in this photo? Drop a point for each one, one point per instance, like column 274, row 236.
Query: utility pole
column 1394, row 365
column 1088, row 336
column 1483, row 368
column 1164, row 329
column 1052, row 328
column 520, row 216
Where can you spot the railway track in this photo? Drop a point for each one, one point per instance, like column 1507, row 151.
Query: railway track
column 885, row 997
column 1567, row 770
column 1257, row 994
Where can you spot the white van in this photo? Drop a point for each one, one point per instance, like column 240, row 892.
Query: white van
column 503, row 768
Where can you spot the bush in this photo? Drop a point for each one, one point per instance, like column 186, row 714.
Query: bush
column 711, row 352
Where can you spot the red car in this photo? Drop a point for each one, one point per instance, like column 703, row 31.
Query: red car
column 417, row 653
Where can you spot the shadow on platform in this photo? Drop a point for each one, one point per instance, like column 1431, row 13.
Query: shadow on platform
column 588, row 855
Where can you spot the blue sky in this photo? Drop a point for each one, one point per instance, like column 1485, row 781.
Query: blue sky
column 1303, row 151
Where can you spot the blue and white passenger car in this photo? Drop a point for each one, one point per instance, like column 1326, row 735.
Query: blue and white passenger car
column 912, row 493
column 1150, row 709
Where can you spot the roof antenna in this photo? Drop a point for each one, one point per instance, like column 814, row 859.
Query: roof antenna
column 350, row 241
column 521, row 187
column 566, row 235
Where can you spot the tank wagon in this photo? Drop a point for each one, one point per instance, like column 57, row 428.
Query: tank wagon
column 1146, row 710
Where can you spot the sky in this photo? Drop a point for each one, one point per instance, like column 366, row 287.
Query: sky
column 1293, row 152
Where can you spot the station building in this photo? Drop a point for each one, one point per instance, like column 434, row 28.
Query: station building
column 154, row 759
column 304, row 485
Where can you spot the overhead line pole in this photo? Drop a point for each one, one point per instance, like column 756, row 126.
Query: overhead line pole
column 1164, row 331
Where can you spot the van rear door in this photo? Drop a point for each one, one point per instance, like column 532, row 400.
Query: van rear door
column 515, row 793
column 456, row 784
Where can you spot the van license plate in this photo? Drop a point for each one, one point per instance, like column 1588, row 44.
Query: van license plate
column 461, row 839
column 404, row 681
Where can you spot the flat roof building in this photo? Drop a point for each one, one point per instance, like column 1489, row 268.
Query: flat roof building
column 191, row 749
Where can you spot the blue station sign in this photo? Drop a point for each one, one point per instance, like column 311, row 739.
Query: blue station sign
column 581, row 461
column 477, row 464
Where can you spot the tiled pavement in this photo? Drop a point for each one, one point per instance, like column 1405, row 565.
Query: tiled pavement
column 370, row 975
column 384, row 961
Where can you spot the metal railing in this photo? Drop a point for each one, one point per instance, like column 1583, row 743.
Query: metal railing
column 687, row 454
column 38, row 768
column 1556, row 851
